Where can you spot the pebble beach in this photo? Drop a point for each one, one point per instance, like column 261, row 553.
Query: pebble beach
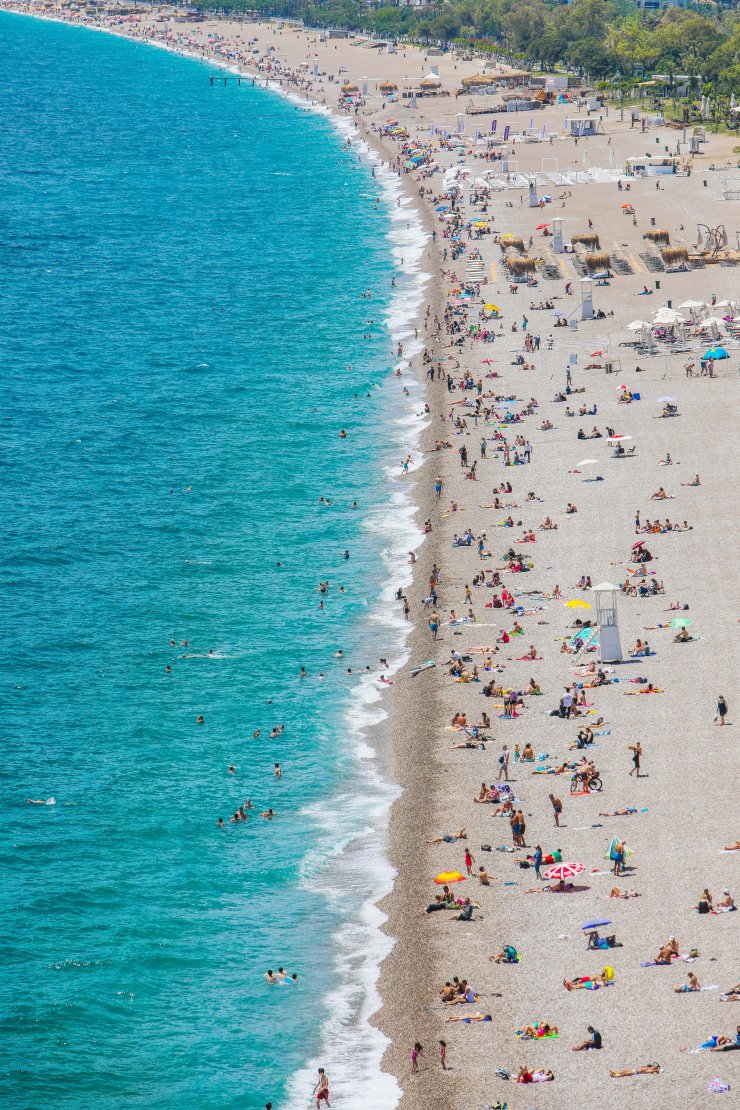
column 508, row 388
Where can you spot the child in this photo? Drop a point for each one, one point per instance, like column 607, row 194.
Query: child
column 443, row 1054
column 416, row 1052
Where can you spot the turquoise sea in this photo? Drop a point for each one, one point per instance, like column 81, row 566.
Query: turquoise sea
column 181, row 344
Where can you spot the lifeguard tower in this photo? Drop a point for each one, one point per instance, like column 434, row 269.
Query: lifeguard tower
column 557, row 234
column 587, row 299
column 610, row 648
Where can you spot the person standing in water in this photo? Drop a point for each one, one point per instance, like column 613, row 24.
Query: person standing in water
column 321, row 1090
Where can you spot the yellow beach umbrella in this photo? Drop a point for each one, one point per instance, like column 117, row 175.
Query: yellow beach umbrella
column 576, row 603
column 492, row 308
column 449, row 877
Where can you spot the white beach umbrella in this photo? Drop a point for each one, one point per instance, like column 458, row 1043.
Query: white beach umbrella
column 638, row 325
column 668, row 316
column 587, row 462
column 712, row 322
column 693, row 304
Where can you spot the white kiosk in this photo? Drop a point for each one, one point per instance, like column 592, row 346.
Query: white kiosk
column 610, row 649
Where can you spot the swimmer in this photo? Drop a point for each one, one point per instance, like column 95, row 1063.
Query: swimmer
column 168, row 669
column 278, row 772
column 268, row 814
column 200, row 720
column 231, row 770
column 41, row 801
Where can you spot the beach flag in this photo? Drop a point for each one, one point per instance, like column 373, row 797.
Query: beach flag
column 543, row 132
column 506, row 132
column 493, row 126
column 432, row 130
column 461, row 127
column 445, row 134
column 476, row 134
column 531, row 123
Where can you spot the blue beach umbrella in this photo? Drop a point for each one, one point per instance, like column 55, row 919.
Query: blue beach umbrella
column 716, row 353
column 596, row 923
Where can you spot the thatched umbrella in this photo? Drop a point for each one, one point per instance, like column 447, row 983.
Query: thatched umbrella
column 597, row 263
column 388, row 87
column 675, row 258
column 658, row 236
column 590, row 241
column 348, row 89
column 512, row 242
column 519, row 267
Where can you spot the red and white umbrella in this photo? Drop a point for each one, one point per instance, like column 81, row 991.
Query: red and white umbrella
column 564, row 871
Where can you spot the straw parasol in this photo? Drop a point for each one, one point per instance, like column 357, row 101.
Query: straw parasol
column 590, row 241
column 597, row 263
column 658, row 236
column 675, row 257
column 513, row 242
column 521, row 266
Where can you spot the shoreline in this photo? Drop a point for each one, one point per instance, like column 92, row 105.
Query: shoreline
column 437, row 784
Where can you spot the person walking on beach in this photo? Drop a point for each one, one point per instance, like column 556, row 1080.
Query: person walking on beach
column 557, row 806
column 463, row 452
column 443, row 1054
column 721, row 710
column 416, row 1052
column 321, row 1090
column 537, row 860
column 434, row 624
column 636, row 750
column 438, row 487
column 469, row 861
column 503, row 764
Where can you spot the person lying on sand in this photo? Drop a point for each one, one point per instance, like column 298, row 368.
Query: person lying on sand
column 590, row 982
column 732, row 847
column 643, row 1069
column 732, row 995
column 727, row 1044
column 470, row 1017
column 448, row 838
column 537, row 1031
column 615, row 892
column 540, row 1075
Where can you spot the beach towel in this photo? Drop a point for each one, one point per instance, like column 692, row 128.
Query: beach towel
column 718, row 1087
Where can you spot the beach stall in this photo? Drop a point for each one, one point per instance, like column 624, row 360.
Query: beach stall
column 582, row 126
column 651, row 166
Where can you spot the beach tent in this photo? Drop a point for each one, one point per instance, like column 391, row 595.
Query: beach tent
column 715, row 353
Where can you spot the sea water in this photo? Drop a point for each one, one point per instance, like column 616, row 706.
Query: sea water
column 183, row 337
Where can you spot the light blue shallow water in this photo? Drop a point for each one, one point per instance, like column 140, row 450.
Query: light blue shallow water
column 181, row 275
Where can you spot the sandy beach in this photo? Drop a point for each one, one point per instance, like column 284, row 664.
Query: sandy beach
column 683, row 803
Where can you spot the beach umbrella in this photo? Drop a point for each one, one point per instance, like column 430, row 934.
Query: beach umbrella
column 564, row 871
column 587, row 462
column 716, row 353
column 596, row 354
column 693, row 304
column 680, row 622
column 492, row 308
column 449, row 877
column 596, row 923
column 541, row 227
column 638, row 545
column 625, row 206
column 576, row 603
column 667, row 401
column 638, row 325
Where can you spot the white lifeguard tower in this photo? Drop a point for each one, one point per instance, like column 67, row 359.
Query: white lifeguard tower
column 557, row 234
column 610, row 648
column 587, row 299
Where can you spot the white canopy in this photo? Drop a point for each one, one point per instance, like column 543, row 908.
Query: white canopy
column 693, row 304
column 712, row 322
column 433, row 77
column 638, row 325
column 603, row 586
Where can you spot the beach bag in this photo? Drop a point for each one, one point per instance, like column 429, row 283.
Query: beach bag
column 501, row 761
column 485, row 848
column 703, row 905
